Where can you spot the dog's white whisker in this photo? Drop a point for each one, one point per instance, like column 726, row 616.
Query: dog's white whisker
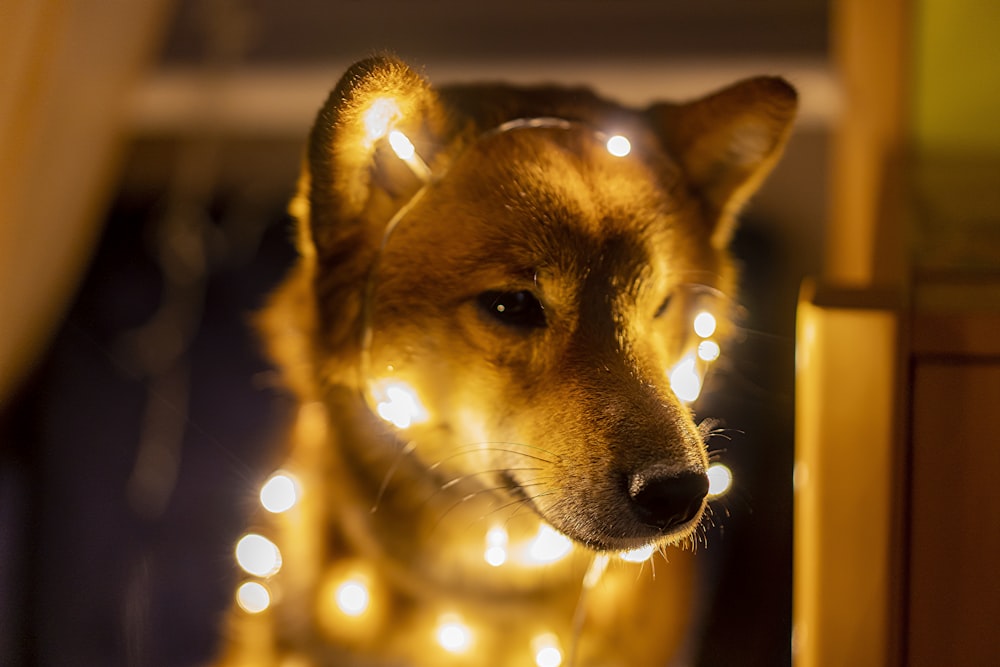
column 402, row 453
column 519, row 503
column 466, row 498
column 460, row 478
column 494, row 447
column 466, row 450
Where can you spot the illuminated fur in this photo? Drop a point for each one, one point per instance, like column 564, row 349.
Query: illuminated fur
column 534, row 296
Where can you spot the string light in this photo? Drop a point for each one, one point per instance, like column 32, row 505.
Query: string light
column 398, row 404
column 720, row 478
column 401, row 145
column 379, row 117
column 280, row 493
column 453, row 635
column 405, row 151
column 351, row 601
column 640, row 555
column 496, row 546
column 548, row 546
column 619, row 146
column 379, row 120
column 685, row 380
column 547, row 651
column 708, row 350
column 258, row 555
column 705, row 324
column 352, row 597
column 253, row 597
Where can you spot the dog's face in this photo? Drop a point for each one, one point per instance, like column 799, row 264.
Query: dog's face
column 535, row 295
column 528, row 299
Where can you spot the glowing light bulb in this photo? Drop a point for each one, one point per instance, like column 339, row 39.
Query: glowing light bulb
column 279, row 493
column 685, row 380
column 708, row 350
column 400, row 406
column 253, row 597
column 352, row 597
column 720, row 479
column 546, row 649
column 705, row 324
column 640, row 555
column 380, row 115
column 496, row 546
column 401, row 145
column 258, row 555
column 453, row 635
column 549, row 545
column 619, row 146
column 351, row 601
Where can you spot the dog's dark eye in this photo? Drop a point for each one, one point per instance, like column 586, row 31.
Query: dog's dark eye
column 516, row 309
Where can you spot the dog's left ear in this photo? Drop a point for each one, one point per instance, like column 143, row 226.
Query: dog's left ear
column 727, row 142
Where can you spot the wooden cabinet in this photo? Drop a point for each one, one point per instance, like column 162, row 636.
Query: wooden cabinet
column 953, row 512
column 897, row 545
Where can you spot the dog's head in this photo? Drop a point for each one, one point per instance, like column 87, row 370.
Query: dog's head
column 525, row 290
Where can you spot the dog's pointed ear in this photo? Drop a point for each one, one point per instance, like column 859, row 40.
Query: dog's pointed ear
column 352, row 176
column 727, row 142
column 352, row 184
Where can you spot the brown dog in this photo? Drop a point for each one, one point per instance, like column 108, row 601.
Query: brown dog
column 490, row 300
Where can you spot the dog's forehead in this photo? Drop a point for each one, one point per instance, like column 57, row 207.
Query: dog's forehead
column 569, row 172
column 549, row 196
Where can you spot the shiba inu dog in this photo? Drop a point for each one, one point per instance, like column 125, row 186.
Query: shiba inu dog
column 494, row 289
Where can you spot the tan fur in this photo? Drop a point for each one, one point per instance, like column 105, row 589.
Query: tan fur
column 551, row 420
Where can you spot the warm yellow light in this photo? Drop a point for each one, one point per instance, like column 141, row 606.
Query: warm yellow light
column 708, row 350
column 253, row 597
column 548, row 546
column 640, row 555
column 705, row 324
column 400, row 406
column 547, row 652
column 352, row 597
column 406, row 152
column 401, row 145
column 279, row 493
column 379, row 117
column 619, row 146
column 496, row 546
column 258, row 555
column 598, row 566
column 720, row 478
column 453, row 635
column 351, row 601
column 685, row 380
column 495, row 556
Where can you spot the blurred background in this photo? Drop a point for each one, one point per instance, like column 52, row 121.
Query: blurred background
column 147, row 153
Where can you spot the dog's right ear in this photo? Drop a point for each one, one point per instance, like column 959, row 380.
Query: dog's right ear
column 352, row 181
column 352, row 184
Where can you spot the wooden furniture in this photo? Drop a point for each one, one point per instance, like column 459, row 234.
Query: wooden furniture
column 897, row 446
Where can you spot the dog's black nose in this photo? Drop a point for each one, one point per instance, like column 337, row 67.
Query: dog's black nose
column 665, row 498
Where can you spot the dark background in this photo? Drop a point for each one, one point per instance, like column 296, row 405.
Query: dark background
column 130, row 460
